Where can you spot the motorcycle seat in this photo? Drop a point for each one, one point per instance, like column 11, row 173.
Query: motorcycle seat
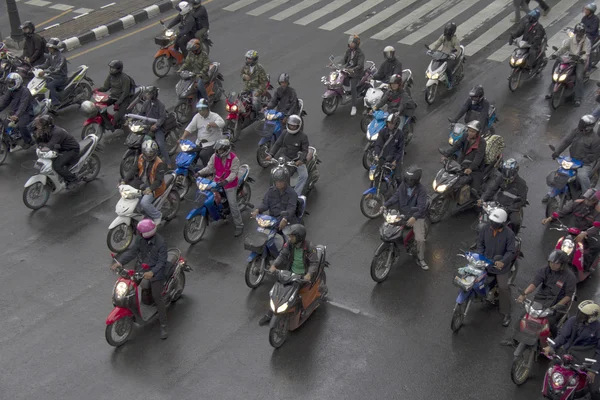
column 168, row 179
column 71, row 78
column 84, row 146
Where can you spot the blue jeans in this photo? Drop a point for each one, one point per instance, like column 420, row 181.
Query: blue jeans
column 596, row 112
column 53, row 86
column 302, row 178
column 148, row 207
column 201, row 90
column 22, row 126
column 583, row 177
column 161, row 141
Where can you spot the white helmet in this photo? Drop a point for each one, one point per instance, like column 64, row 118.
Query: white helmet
column 389, row 52
column 184, row 7
column 589, row 308
column 89, row 108
column 499, row 216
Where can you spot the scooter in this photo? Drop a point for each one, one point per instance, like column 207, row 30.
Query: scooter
column 134, row 305
column 563, row 77
column 241, row 112
column 77, row 89
column 186, row 168
column 518, row 64
column 394, row 234
column 381, row 175
column 312, row 160
column 377, row 124
column 337, row 91
column 568, row 245
column 487, row 207
column 120, row 231
column 166, row 57
column 269, row 129
column 292, row 304
column 9, row 62
column 436, row 72
column 211, row 204
column 187, row 92
column 39, row 187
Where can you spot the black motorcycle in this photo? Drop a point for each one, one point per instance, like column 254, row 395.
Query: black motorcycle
column 518, row 63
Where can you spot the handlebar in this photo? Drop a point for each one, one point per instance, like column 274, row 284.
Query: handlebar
column 142, row 118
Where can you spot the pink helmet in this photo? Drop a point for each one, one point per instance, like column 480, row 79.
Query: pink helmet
column 146, row 228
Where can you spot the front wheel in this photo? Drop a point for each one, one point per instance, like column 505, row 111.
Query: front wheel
column 458, row 317
column 554, row 205
column 261, row 155
column 368, row 158
column 382, row 264
column 279, row 332
column 514, row 80
column 180, row 287
column 438, row 208
column 128, row 163
column 4, row 150
column 171, row 205
column 254, row 273
column 557, row 97
column 365, row 121
column 183, row 112
column 430, row 93
column 243, row 196
column 194, row 229
column 161, row 66
column 119, row 332
column 92, row 129
column 83, row 92
column 172, row 140
column 330, row 105
column 370, row 205
column 119, row 238
column 36, row 195
column 522, row 365
column 92, row 168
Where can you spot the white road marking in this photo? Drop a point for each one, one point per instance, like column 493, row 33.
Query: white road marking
column 315, row 15
column 294, row 9
column 411, row 17
column 350, row 15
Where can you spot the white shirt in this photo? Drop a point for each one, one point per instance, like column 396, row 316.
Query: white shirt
column 199, row 124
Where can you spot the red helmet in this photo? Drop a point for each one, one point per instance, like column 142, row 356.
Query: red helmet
column 146, row 228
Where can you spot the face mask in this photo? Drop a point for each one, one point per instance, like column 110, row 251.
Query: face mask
column 496, row 225
column 410, row 183
column 581, row 317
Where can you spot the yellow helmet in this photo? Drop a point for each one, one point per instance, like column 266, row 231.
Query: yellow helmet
column 589, row 308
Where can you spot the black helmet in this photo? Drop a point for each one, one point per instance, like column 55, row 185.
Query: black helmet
column 28, row 25
column 222, row 147
column 579, row 30
column 509, row 169
column 412, row 176
column 299, row 231
column 534, row 15
column 151, row 92
column 450, row 29
column 283, row 77
column 476, row 94
column 586, row 123
column 281, row 174
column 558, row 257
column 116, row 67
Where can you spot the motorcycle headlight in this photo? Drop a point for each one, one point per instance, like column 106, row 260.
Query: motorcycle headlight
column 555, row 77
column 372, row 174
column 264, row 223
column 282, row 308
column 98, row 98
column 234, row 108
column 270, row 117
column 439, row 188
column 428, row 75
column 558, row 379
column 3, row 64
column 566, row 164
column 562, row 77
column 185, row 147
column 333, row 76
column 518, row 61
column 567, row 246
column 203, row 186
column 169, row 32
column 121, row 289
column 435, row 76
column 374, row 137
column 451, row 140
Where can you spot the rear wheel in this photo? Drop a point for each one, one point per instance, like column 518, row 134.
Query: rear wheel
column 254, row 273
column 557, row 97
column 438, row 208
column 92, row 129
column 4, row 150
column 36, row 195
column 365, row 121
column 329, row 105
column 119, row 332
column 161, row 66
column 92, row 168
column 119, row 238
column 261, row 156
column 382, row 264
column 368, row 158
column 554, row 205
column 458, row 317
column 172, row 139
column 279, row 332
column 83, row 92
column 430, row 93
column 180, row 287
column 514, row 80
column 183, row 112
column 194, row 229
column 370, row 205
column 243, row 196
column 522, row 365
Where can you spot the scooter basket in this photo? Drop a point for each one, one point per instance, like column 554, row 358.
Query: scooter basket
column 170, row 122
column 162, row 41
column 134, row 140
column 557, row 180
column 255, row 242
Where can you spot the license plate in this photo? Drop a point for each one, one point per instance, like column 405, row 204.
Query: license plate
column 264, row 230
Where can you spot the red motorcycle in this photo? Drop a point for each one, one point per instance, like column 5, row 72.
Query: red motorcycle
column 240, row 113
column 137, row 306
column 99, row 119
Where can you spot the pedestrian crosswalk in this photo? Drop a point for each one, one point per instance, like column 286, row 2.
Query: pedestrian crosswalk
column 482, row 25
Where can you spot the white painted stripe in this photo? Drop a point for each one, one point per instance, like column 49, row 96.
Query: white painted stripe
column 71, row 43
column 380, row 17
column 294, row 10
column 127, row 21
column 560, row 36
column 100, row 31
column 152, row 10
column 237, row 5
column 60, row 7
column 51, row 26
column 174, row 3
column 39, row 3
column 267, row 7
column 80, row 15
column 108, row 5
column 329, row 8
column 556, row 13
column 350, row 15
column 413, row 16
column 83, row 10
column 438, row 22
column 477, row 20
column 595, row 76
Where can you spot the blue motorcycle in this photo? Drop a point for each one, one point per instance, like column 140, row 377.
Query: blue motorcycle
column 382, row 180
column 269, row 128
column 212, row 205
column 375, row 126
column 457, row 129
column 186, row 167
column 265, row 244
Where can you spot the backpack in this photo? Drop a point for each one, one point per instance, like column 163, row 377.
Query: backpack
column 494, row 147
column 132, row 85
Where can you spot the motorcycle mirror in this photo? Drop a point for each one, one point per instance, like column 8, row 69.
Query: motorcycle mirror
column 554, row 48
column 552, row 147
column 582, row 52
column 596, row 224
column 426, row 46
column 556, row 216
column 145, row 266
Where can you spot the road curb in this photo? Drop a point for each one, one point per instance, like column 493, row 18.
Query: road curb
column 121, row 24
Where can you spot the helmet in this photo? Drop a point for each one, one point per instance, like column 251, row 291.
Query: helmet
column 586, row 123
column 299, row 231
column 222, row 147
column 116, row 67
column 202, row 104
column 55, row 43
column 283, row 77
column 354, row 39
column 195, row 3
column 184, row 7
column 396, row 79
column 412, row 176
column 13, row 81
column 476, row 94
column 151, row 91
column 389, row 52
column 475, row 125
column 88, row 107
column 393, row 118
column 589, row 309
column 534, row 15
column 251, row 57
column 499, row 216
column 149, row 149
column 591, row 7
column 579, row 30
column 194, row 45
column 509, row 169
column 281, row 174
column 146, row 228
column 294, row 124
column 591, row 195
column 28, row 25
column 450, row 29
column 558, row 257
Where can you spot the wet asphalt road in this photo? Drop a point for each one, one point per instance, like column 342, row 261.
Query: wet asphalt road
column 391, row 340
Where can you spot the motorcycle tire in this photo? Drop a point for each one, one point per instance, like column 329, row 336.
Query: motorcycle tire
column 330, row 105
column 261, row 154
column 367, row 211
column 458, row 317
column 92, row 129
column 113, row 334
column 160, row 62
column 84, row 92
column 279, row 332
column 368, row 158
column 243, row 197
column 172, row 139
column 217, row 92
column 514, row 80
column 184, row 187
column 180, row 287
column 365, row 121
column 557, row 97
column 554, row 204
column 252, row 282
column 438, row 208
column 44, row 195
column 128, row 162
column 4, row 150
column 128, row 236
column 384, row 256
column 430, row 93
column 522, row 365
column 188, row 233
column 173, row 201
column 93, row 164
column 183, row 112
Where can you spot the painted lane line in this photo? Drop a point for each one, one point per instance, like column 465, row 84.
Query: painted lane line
column 290, row 11
column 413, row 16
column 479, row 19
column 329, row 8
column 350, row 15
column 240, row 4
column 61, row 7
column 380, row 17
column 267, row 7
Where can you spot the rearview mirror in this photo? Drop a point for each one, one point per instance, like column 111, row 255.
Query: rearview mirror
column 331, row 58
column 145, row 266
column 596, row 224
column 552, row 147
column 555, row 215
column 554, row 48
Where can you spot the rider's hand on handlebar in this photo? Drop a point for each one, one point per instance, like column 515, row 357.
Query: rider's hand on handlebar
column 148, row 275
column 521, row 298
column 546, row 220
column 282, row 224
column 499, row 264
column 254, row 213
column 468, row 171
column 307, row 277
column 147, row 191
column 548, row 351
column 479, row 203
column 581, row 237
column 115, row 266
column 411, row 221
column 272, row 269
column 269, row 157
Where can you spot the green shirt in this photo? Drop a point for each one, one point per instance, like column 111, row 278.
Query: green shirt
column 298, row 264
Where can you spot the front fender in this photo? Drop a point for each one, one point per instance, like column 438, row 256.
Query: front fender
column 118, row 221
column 116, row 314
column 96, row 120
column 196, row 211
column 168, row 51
column 463, row 296
column 35, row 179
column 431, row 82
column 252, row 256
column 370, row 190
column 330, row 93
column 380, row 248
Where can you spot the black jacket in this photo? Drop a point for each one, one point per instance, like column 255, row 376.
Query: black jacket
column 34, row 49
column 61, row 141
column 584, row 146
column 390, row 149
column 404, row 204
column 532, row 33
column 591, row 25
column 56, row 65
column 120, row 87
column 503, row 245
column 201, row 17
column 355, row 62
column 469, row 152
column 482, row 108
column 155, row 109
column 387, row 69
column 397, row 101
column 289, row 146
column 187, row 24
column 512, row 196
column 286, row 101
column 20, row 102
column 285, row 259
column 277, row 202
column 151, row 251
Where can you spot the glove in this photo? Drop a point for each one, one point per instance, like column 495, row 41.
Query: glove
column 553, row 56
column 554, row 155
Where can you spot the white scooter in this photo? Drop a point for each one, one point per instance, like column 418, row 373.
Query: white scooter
column 436, row 72
column 129, row 213
column 39, row 187
column 77, row 89
column 374, row 94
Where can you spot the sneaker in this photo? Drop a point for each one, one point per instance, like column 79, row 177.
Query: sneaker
column 264, row 320
column 548, row 96
column 238, row 231
column 423, row 265
column 353, row 111
column 545, row 198
column 164, row 333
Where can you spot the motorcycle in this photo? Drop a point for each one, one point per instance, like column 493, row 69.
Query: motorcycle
column 376, row 125
column 382, row 180
column 292, row 304
column 187, row 92
column 166, row 57
column 269, row 128
column 394, row 234
column 99, row 119
column 457, row 129
column 240, row 111
column 337, row 91
column 436, row 72
column 186, row 169
column 518, row 64
column 312, row 160
column 487, row 207
column 77, row 89
column 134, row 305
column 264, row 245
column 568, row 244
column 12, row 63
column 563, row 77
column 39, row 187
column 211, row 204
column 476, row 284
column 129, row 213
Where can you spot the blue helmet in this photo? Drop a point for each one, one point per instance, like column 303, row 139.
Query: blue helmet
column 534, row 15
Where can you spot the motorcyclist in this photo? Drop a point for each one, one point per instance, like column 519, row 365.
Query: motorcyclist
column 255, row 78
column 580, row 336
column 150, row 248
column 150, row 178
column 201, row 17
column 197, row 61
column 591, row 22
column 297, row 255
column 390, row 66
column 476, row 107
column 510, row 191
column 225, row 165
column 389, row 146
column 154, row 108
column 57, row 139
column 285, row 99
column 354, row 63
column 293, row 145
column 411, row 200
column 585, row 212
column 209, row 127
column 34, row 45
column 280, row 200
column 20, row 101
column 533, row 33
column 472, row 149
column 397, row 99
column 450, row 44
column 497, row 243
column 187, row 26
column 557, row 288
column 121, row 88
column 574, row 46
column 56, row 69
column 583, row 145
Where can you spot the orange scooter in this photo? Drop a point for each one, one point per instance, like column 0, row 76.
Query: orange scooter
column 166, row 57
